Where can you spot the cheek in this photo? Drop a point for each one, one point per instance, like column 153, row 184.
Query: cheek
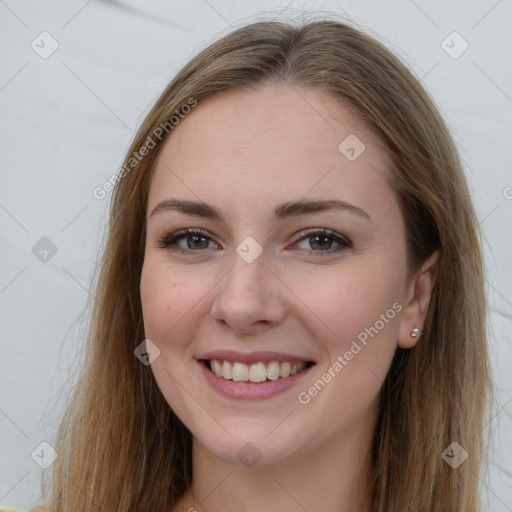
column 350, row 299
column 155, row 301
column 359, row 308
column 175, row 301
column 164, row 308
column 165, row 300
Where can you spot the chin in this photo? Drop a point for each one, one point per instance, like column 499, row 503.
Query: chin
column 251, row 451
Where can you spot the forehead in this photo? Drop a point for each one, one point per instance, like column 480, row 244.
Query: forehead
column 269, row 145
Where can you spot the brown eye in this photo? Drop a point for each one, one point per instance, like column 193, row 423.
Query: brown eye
column 196, row 242
column 323, row 241
column 320, row 242
column 187, row 240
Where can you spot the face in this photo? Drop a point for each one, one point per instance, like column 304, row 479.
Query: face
column 277, row 314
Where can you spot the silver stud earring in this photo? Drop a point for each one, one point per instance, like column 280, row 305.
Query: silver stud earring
column 415, row 333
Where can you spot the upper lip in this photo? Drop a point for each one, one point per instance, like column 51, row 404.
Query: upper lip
column 252, row 357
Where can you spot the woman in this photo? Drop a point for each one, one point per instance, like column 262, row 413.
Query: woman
column 292, row 236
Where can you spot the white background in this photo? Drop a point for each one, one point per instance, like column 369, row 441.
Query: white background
column 67, row 120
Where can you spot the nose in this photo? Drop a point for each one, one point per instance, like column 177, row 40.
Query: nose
column 250, row 298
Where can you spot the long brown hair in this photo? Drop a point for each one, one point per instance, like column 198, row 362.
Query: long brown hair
column 121, row 447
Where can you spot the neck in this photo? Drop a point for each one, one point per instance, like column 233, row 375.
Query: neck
column 333, row 476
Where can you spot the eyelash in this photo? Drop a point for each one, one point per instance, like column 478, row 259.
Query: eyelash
column 168, row 241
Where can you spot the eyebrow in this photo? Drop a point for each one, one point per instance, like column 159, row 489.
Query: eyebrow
column 282, row 211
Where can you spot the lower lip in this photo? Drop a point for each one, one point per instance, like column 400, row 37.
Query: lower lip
column 251, row 390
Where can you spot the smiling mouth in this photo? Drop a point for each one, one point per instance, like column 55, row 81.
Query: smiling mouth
column 255, row 373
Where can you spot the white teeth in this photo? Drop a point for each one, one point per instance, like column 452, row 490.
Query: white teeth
column 285, row 370
column 217, row 368
column 256, row 372
column 273, row 370
column 227, row 370
column 240, row 372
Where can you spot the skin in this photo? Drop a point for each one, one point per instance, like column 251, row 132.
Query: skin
column 246, row 152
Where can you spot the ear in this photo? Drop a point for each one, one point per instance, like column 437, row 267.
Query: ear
column 416, row 302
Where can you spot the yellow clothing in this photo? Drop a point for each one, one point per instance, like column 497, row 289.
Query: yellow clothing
column 37, row 509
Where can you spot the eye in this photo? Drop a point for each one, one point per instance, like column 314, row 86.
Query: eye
column 322, row 241
column 317, row 242
column 187, row 240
